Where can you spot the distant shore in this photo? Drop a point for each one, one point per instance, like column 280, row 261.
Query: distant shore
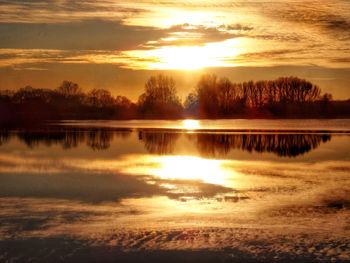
column 214, row 98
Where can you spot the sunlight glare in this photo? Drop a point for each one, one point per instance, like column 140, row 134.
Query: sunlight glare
column 183, row 58
column 190, row 124
column 190, row 57
column 191, row 168
column 184, row 167
column 165, row 17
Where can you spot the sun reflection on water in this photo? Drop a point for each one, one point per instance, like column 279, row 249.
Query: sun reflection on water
column 186, row 168
column 190, row 168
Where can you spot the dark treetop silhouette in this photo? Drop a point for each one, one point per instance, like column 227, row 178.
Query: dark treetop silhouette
column 287, row 97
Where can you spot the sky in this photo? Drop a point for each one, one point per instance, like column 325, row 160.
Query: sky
column 117, row 44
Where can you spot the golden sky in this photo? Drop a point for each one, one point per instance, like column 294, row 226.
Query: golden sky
column 117, row 44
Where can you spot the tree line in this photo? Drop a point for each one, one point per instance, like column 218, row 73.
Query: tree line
column 220, row 97
column 68, row 101
column 213, row 97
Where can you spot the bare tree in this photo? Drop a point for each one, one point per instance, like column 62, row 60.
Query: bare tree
column 69, row 88
column 100, row 98
column 160, row 97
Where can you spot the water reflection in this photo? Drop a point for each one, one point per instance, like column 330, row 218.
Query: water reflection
column 164, row 142
column 283, row 145
column 96, row 138
column 100, row 139
column 134, row 176
column 159, row 142
column 4, row 137
column 191, row 124
column 188, row 168
column 66, row 138
column 126, row 184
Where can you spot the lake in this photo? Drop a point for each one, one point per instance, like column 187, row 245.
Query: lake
column 194, row 191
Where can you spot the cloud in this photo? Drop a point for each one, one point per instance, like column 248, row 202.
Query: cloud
column 329, row 17
column 272, row 53
column 81, row 35
column 50, row 11
column 99, row 41
column 341, row 60
column 36, row 33
column 291, row 37
column 188, row 35
column 96, row 34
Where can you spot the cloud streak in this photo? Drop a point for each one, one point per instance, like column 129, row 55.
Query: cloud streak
column 146, row 35
column 110, row 35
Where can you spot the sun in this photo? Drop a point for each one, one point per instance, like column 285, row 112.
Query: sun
column 190, row 124
column 193, row 57
column 178, row 57
column 183, row 58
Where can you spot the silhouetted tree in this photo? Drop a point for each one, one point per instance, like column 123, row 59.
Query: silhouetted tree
column 220, row 97
column 160, row 98
column 229, row 97
column 327, row 97
column 99, row 98
column 125, row 108
column 207, row 92
column 69, row 88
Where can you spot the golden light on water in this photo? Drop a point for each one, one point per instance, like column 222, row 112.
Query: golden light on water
column 190, row 168
column 173, row 167
column 190, row 124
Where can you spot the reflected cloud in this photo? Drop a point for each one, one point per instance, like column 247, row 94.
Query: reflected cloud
column 76, row 184
column 189, row 168
column 112, row 181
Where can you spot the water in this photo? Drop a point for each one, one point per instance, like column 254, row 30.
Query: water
column 231, row 125
column 134, row 190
